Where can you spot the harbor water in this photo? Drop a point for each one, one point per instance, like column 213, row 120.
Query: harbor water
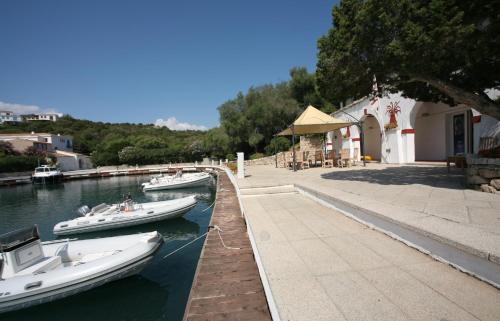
column 159, row 292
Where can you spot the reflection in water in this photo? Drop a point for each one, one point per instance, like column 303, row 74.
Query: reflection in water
column 160, row 292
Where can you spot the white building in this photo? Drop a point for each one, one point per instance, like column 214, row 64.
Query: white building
column 413, row 131
column 9, row 117
column 69, row 161
column 43, row 117
column 56, row 142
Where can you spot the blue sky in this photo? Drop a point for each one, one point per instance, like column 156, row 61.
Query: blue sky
column 139, row 61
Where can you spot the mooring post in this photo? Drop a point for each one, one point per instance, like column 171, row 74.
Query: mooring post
column 241, row 165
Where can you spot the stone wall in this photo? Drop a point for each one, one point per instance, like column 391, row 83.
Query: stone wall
column 484, row 174
column 269, row 160
column 310, row 143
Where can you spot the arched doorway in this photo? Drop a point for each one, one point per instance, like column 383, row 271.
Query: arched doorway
column 372, row 137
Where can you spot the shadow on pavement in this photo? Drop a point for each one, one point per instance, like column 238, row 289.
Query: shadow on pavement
column 403, row 175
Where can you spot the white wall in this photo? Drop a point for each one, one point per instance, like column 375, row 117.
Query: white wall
column 430, row 133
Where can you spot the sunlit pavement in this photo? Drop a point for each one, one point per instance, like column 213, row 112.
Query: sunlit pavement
column 322, row 265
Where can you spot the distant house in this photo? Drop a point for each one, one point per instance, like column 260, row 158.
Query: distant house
column 9, row 117
column 70, row 161
column 21, row 145
column 42, row 117
column 54, row 141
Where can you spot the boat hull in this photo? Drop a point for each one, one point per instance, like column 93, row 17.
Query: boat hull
column 78, row 285
column 187, row 184
column 124, row 221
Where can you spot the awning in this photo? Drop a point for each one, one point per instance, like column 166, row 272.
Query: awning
column 314, row 121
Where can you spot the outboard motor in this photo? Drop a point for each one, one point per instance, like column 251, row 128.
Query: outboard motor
column 83, row 210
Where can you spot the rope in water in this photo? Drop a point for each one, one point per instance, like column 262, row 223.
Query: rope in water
column 209, row 206
column 188, row 243
column 215, row 227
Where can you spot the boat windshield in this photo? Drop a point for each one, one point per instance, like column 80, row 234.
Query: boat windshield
column 17, row 238
column 39, row 169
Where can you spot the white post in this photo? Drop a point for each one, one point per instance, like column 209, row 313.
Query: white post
column 220, row 162
column 196, row 164
column 212, row 162
column 241, row 164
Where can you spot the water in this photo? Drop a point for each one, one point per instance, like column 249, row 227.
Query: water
column 159, row 292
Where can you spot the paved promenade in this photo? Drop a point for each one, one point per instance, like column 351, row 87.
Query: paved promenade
column 322, row 265
column 424, row 197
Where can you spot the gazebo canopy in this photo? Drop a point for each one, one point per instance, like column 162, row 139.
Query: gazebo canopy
column 314, row 121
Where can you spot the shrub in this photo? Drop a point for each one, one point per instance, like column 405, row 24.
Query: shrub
column 230, row 157
column 257, row 155
column 12, row 163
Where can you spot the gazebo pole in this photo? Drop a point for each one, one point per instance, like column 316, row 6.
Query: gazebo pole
column 293, row 149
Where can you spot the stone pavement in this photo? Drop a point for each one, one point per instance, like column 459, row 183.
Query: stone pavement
column 425, row 197
column 322, row 265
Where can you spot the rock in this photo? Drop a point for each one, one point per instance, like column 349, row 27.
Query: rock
column 477, row 180
column 489, row 172
column 495, row 183
column 487, row 188
column 472, row 171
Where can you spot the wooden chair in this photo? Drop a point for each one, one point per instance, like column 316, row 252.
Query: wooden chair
column 329, row 159
column 318, row 156
column 305, row 159
column 345, row 158
column 486, row 146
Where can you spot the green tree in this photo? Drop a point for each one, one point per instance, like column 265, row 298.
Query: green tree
column 278, row 144
column 305, row 91
column 430, row 50
column 216, row 143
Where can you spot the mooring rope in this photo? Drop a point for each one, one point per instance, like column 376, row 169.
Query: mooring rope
column 209, row 206
column 188, row 243
column 215, row 227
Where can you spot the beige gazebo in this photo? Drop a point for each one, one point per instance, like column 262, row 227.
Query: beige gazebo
column 312, row 121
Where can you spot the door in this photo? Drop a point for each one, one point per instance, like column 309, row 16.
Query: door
column 459, row 134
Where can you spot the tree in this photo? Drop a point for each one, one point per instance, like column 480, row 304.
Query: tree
column 430, row 50
column 6, row 148
column 304, row 90
column 278, row 144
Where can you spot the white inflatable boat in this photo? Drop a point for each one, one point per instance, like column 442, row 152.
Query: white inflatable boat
column 128, row 213
column 179, row 180
column 32, row 272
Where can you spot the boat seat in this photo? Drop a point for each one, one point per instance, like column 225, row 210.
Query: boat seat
column 46, row 264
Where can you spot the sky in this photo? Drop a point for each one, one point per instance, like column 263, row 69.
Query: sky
column 170, row 63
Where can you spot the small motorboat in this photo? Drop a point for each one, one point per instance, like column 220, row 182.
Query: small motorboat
column 127, row 213
column 179, row 180
column 46, row 174
column 34, row 272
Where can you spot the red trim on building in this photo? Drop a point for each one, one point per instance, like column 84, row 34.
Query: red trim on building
column 357, row 139
column 329, row 144
column 408, row 131
column 476, row 119
column 348, row 132
column 365, row 111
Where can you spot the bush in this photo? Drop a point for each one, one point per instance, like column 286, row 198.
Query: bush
column 257, row 155
column 233, row 167
column 230, row 157
column 12, row 163
column 278, row 144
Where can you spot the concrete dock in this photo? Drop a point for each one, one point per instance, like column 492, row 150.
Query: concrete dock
column 324, row 265
column 227, row 284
